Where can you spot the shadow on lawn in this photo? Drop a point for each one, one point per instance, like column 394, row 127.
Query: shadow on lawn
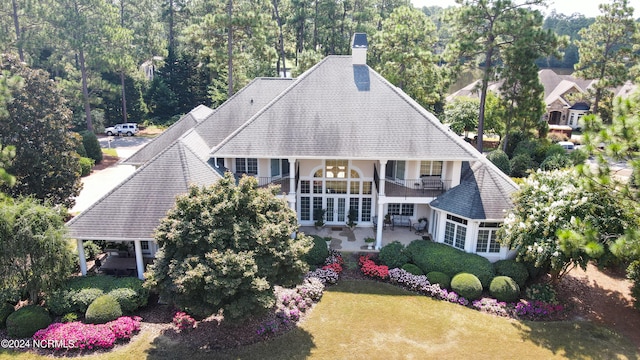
column 577, row 340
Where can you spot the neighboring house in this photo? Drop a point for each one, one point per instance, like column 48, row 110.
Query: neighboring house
column 558, row 93
column 339, row 138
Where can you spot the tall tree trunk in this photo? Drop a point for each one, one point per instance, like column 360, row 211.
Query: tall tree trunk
column 85, row 89
column 124, row 98
column 315, row 28
column 16, row 24
column 230, row 48
column 280, row 38
column 483, row 98
column 171, row 35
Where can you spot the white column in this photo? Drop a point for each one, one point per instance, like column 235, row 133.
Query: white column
column 292, row 184
column 81, row 256
column 139, row 259
column 379, row 225
column 381, row 172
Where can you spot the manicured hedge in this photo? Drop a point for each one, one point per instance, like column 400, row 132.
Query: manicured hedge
column 393, row 255
column 79, row 292
column 24, row 322
column 440, row 278
column 430, row 256
column 504, row 288
column 467, row 285
column 413, row 269
column 5, row 310
column 513, row 269
column 318, row 253
column 103, row 309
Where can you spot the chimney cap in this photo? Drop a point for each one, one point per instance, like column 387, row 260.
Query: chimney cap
column 360, row 41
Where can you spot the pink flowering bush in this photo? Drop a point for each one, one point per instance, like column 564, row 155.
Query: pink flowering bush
column 371, row 269
column 536, row 310
column 76, row 335
column 184, row 321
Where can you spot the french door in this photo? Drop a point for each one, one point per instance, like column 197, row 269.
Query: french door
column 336, row 209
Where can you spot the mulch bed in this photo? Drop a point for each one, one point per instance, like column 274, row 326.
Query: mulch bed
column 107, row 161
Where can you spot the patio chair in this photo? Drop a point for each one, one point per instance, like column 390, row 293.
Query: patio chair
column 420, row 226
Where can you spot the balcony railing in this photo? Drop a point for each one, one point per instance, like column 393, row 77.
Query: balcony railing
column 415, row 187
column 282, row 181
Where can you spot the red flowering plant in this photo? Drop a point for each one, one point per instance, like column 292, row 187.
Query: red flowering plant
column 184, row 321
column 334, row 266
column 371, row 269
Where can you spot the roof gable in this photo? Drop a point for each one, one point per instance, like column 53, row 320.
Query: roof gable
column 340, row 110
column 133, row 209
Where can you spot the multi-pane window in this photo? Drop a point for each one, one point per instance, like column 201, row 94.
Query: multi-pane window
column 455, row 231
column 395, row 169
column 366, row 209
column 305, row 187
column 337, row 168
column 247, row 166
column 487, row 238
column 430, row 168
column 305, row 208
column 400, row 209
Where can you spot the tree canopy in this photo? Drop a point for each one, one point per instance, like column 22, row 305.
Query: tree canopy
column 35, row 254
column 223, row 247
column 37, row 123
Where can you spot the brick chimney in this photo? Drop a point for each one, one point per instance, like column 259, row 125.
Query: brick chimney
column 359, row 47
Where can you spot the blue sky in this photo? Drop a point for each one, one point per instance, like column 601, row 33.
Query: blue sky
column 588, row 8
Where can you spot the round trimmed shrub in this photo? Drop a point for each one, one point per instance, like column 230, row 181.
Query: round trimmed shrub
column 86, row 164
column 500, row 159
column 92, row 146
column 411, row 268
column 393, row 255
column 504, row 288
column 440, row 278
column 6, row 309
column 85, row 297
column 103, row 309
column 127, row 298
column 318, row 253
column 513, row 269
column 24, row 322
column 467, row 285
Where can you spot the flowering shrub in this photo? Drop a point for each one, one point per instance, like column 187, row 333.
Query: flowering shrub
column 371, row 269
column 536, row 310
column 184, row 321
column 407, row 280
column 542, row 292
column 326, row 276
column 311, row 288
column 270, row 326
column 334, row 266
column 334, row 258
column 88, row 336
column 491, row 306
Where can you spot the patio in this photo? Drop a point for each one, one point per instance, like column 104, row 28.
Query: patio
column 344, row 239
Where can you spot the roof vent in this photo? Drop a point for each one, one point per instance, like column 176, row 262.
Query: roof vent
column 359, row 49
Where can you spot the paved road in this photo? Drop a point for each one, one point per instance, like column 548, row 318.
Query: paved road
column 101, row 182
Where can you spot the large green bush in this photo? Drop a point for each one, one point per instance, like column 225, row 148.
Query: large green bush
column 412, row 269
column 91, row 250
column 127, row 298
column 393, row 255
column 86, row 164
column 318, row 253
column 520, row 164
column 504, row 288
column 103, row 309
column 440, row 278
column 92, row 146
column 500, row 159
column 24, row 322
column 6, row 309
column 467, row 285
column 513, row 269
column 431, row 256
column 79, row 292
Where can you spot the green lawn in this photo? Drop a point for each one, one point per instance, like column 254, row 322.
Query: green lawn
column 371, row 320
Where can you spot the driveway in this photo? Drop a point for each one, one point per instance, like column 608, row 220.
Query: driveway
column 100, row 182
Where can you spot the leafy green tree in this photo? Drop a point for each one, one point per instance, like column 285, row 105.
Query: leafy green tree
column 565, row 25
column 403, row 47
column 607, row 50
column 550, row 209
column 482, row 30
column 500, row 159
column 37, row 124
column 462, row 114
column 224, row 247
column 35, row 256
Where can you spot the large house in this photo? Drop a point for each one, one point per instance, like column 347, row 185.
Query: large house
column 338, row 139
column 563, row 96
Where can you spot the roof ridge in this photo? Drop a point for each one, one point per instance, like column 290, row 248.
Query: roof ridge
column 297, row 81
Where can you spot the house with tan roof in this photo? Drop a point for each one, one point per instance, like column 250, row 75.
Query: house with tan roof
column 564, row 106
column 339, row 139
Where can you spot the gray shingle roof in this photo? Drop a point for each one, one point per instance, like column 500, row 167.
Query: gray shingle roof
column 133, row 209
column 484, row 193
column 162, row 141
column 328, row 113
